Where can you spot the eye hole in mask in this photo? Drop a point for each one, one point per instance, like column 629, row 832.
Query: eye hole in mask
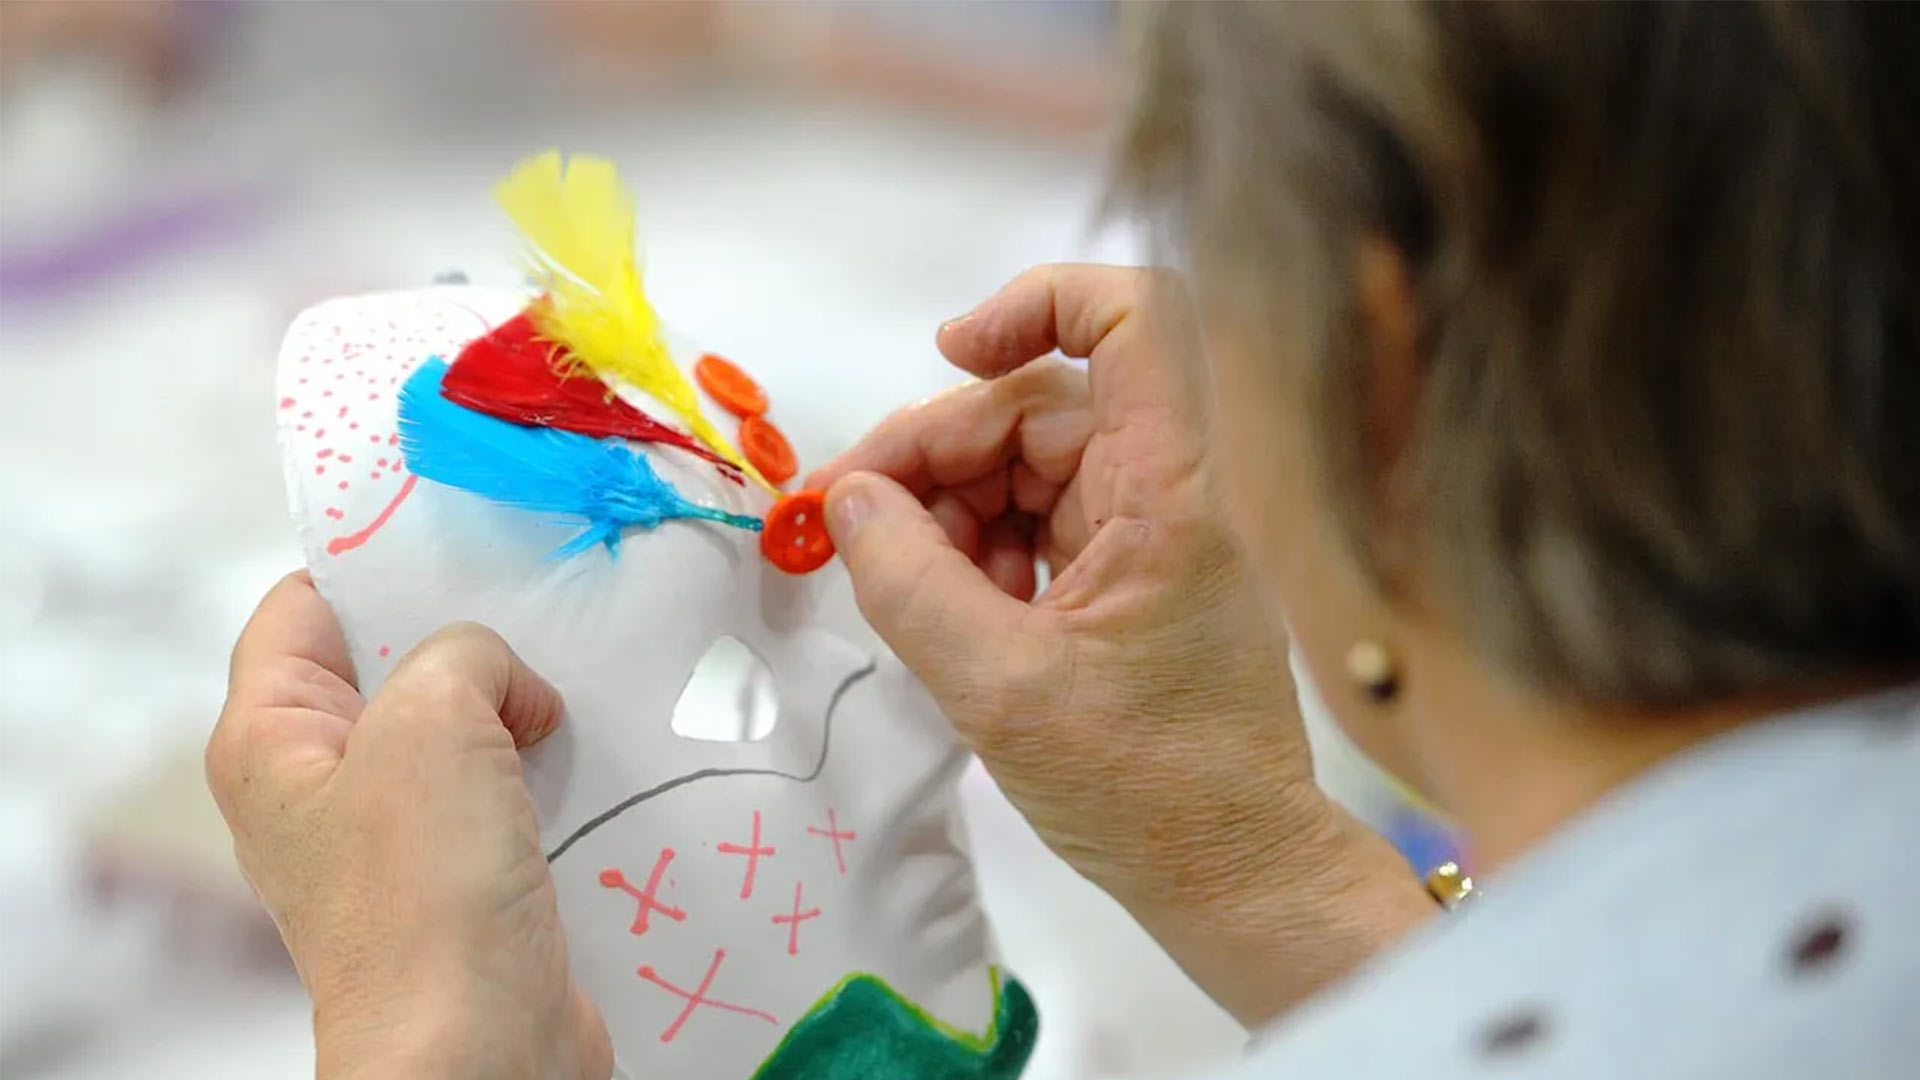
column 728, row 697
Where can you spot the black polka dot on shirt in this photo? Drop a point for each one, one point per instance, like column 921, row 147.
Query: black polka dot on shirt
column 1818, row 944
column 1513, row 1033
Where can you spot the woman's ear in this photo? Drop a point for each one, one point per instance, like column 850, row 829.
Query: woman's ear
column 1389, row 341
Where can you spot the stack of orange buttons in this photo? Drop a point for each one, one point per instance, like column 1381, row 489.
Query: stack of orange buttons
column 763, row 443
column 794, row 536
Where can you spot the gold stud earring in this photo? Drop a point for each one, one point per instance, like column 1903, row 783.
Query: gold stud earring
column 1372, row 669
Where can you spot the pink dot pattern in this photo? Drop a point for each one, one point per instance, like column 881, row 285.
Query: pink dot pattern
column 340, row 369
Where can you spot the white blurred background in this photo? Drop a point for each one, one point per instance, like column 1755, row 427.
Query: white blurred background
column 820, row 185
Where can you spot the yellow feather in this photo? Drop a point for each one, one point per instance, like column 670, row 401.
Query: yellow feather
column 579, row 221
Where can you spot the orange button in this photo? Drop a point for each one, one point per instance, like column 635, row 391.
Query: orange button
column 768, row 450
column 734, row 389
column 794, row 537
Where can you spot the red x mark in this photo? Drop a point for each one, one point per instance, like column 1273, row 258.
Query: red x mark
column 612, row 878
column 698, row 997
column 833, row 832
column 752, row 852
column 794, row 920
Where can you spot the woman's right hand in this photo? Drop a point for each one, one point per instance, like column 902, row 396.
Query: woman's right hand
column 1140, row 712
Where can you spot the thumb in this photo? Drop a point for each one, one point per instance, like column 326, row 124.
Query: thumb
column 929, row 602
column 465, row 673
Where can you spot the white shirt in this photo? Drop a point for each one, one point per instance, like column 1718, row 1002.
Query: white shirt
column 1747, row 909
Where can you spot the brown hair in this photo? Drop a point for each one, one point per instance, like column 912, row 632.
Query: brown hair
column 1666, row 261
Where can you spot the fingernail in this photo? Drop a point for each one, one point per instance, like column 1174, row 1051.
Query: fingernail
column 955, row 323
column 851, row 503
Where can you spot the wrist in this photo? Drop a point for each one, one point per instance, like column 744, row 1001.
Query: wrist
column 363, row 1037
column 1285, row 907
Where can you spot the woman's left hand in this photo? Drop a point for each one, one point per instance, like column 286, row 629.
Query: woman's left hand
column 394, row 842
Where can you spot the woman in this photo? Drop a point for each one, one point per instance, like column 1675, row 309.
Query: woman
column 1553, row 387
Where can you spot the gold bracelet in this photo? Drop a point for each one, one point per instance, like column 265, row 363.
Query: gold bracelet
column 1449, row 885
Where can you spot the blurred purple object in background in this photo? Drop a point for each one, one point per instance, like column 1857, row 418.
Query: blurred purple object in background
column 36, row 271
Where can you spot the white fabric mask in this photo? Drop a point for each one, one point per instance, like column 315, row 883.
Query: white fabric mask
column 717, row 892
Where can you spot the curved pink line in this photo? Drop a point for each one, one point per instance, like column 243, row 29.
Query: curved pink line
column 353, row 540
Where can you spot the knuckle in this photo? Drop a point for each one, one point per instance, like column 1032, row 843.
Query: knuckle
column 222, row 759
column 234, row 744
column 1158, row 281
column 428, row 691
column 469, row 639
column 1043, row 276
column 904, row 420
column 1036, row 383
column 446, row 681
column 1165, row 298
column 236, row 659
column 909, row 593
column 453, row 657
column 892, row 593
column 298, row 682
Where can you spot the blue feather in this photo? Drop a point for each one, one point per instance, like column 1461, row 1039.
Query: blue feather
column 602, row 483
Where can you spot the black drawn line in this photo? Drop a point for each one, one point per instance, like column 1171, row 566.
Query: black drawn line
column 631, row 801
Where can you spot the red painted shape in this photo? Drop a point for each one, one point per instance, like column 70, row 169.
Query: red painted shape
column 514, row 374
column 794, row 920
column 612, row 878
column 340, row 544
column 833, row 832
column 752, row 851
column 698, row 997
column 385, row 651
column 286, row 403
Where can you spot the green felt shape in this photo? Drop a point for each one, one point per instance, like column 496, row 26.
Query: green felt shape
column 862, row 1029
